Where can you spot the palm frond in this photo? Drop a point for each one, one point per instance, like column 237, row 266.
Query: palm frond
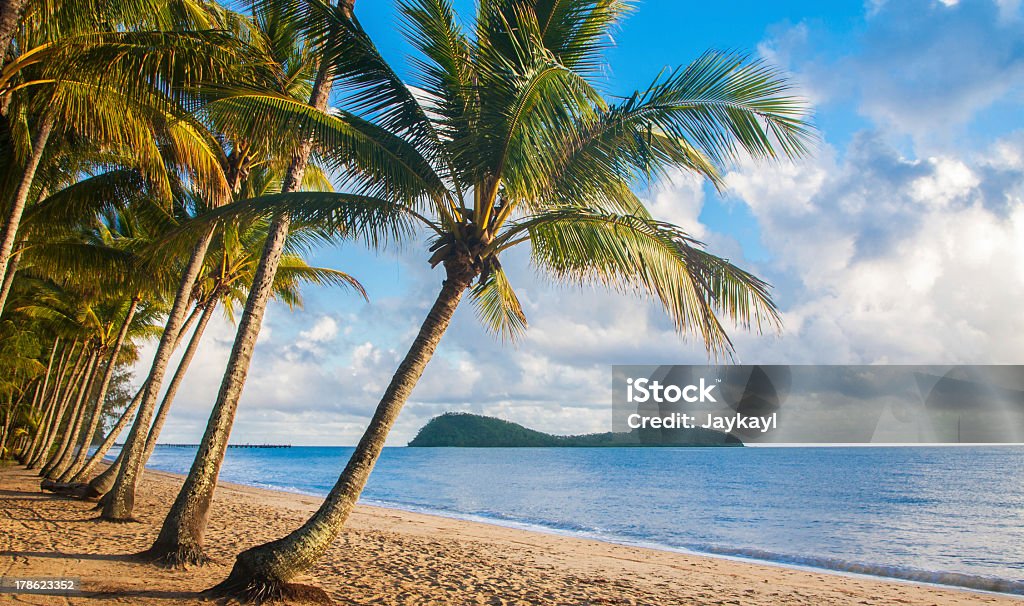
column 498, row 306
column 637, row 255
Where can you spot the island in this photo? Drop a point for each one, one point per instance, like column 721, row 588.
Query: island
column 466, row 430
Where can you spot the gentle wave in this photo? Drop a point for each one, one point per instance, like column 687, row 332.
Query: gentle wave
column 939, row 516
column 950, row 579
column 953, row 579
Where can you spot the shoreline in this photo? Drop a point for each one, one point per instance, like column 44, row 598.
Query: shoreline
column 911, row 576
column 394, row 556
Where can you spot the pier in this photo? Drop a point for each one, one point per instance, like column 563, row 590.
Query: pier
column 229, row 445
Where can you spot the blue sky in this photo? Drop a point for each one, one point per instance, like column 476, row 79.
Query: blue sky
column 900, row 240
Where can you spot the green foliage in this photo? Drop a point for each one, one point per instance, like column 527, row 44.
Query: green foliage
column 464, row 430
column 500, row 137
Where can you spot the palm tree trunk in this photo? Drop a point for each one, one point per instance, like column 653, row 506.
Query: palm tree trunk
column 64, row 415
column 192, row 315
column 12, row 270
column 101, row 395
column 56, row 407
column 101, row 484
column 46, row 408
column 119, row 503
column 264, row 571
column 10, row 230
column 75, row 429
column 179, row 375
column 10, row 14
column 108, row 441
column 186, row 522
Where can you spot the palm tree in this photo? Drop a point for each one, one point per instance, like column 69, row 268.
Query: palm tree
column 42, row 401
column 99, row 72
column 116, row 75
column 118, row 503
column 506, row 141
column 295, row 61
column 20, row 369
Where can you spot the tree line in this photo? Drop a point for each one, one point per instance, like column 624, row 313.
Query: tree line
column 161, row 159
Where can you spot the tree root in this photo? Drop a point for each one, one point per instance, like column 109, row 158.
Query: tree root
column 100, row 518
column 70, row 489
column 248, row 589
column 175, row 557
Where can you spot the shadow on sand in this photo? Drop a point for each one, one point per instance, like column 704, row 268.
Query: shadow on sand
column 60, row 555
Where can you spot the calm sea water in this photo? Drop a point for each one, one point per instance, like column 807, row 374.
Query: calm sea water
column 942, row 515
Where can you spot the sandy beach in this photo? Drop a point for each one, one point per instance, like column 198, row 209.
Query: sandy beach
column 394, row 557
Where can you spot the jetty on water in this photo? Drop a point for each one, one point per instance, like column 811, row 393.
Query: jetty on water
column 229, row 445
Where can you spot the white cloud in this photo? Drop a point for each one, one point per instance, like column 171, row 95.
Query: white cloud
column 679, row 199
column 910, row 261
column 323, row 331
column 949, row 180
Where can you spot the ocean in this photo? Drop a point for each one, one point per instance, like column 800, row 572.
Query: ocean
column 945, row 515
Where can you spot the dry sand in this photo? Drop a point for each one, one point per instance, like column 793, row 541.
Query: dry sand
column 393, row 557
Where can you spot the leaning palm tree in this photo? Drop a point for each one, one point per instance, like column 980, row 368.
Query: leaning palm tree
column 296, row 49
column 506, row 141
column 107, row 72
column 181, row 537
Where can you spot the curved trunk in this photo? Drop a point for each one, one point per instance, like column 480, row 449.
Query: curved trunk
column 179, row 375
column 67, row 412
column 264, row 571
column 5, row 289
column 10, row 230
column 101, row 484
column 75, row 429
column 45, row 404
column 121, row 499
column 180, row 540
column 111, row 437
column 57, row 407
column 181, row 537
column 101, row 395
column 10, row 14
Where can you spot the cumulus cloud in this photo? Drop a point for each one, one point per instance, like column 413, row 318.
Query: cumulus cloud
column 896, row 259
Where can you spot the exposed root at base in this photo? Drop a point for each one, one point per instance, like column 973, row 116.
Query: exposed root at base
column 100, row 518
column 289, row 593
column 75, row 490
column 180, row 557
column 252, row 591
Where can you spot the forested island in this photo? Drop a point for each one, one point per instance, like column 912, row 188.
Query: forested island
column 459, row 429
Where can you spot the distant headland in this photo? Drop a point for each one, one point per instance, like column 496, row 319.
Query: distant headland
column 459, row 429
